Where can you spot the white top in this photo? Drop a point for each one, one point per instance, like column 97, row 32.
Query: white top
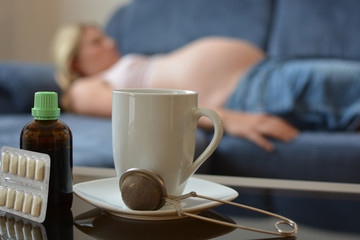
column 131, row 71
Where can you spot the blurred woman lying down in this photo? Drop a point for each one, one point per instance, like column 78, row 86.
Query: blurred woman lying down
column 89, row 67
column 90, row 61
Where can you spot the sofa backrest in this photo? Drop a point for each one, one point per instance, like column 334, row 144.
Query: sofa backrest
column 283, row 28
column 316, row 29
column 158, row 26
column 20, row 81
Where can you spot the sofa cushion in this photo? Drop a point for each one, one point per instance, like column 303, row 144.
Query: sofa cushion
column 18, row 83
column 155, row 26
column 91, row 137
column 322, row 28
column 314, row 156
column 92, row 141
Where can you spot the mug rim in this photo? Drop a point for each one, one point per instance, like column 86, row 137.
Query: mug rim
column 154, row 91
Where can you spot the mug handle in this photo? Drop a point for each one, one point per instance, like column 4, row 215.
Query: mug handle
column 218, row 133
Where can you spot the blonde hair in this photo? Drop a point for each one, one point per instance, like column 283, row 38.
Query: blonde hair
column 64, row 49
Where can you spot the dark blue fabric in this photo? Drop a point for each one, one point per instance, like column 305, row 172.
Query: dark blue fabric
column 321, row 28
column 92, row 144
column 18, row 83
column 92, row 140
column 311, row 94
column 157, row 26
column 315, row 156
column 116, row 26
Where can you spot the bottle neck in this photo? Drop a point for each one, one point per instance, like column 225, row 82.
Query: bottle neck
column 45, row 122
column 44, row 118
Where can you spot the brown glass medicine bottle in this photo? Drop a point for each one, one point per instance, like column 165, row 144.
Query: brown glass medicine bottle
column 47, row 134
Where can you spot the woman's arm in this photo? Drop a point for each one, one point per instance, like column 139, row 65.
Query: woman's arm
column 94, row 97
column 91, row 96
column 254, row 127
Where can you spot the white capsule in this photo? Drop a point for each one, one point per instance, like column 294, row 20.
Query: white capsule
column 10, row 198
column 5, row 160
column 21, row 171
column 27, row 203
column 19, row 199
column 36, row 206
column 39, row 170
column 30, row 168
column 13, row 163
column 3, row 193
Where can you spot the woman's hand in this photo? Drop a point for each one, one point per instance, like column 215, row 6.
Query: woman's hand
column 257, row 127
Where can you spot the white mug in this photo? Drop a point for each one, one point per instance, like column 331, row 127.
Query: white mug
column 155, row 129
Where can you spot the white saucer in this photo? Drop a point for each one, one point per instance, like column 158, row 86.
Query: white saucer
column 105, row 194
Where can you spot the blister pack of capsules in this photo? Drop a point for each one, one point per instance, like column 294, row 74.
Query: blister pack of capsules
column 24, row 183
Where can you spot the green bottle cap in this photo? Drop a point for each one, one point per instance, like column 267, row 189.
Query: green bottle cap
column 45, row 106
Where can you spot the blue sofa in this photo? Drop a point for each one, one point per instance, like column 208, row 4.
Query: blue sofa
column 284, row 29
column 296, row 29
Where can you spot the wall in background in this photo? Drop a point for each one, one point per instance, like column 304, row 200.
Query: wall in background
column 27, row 27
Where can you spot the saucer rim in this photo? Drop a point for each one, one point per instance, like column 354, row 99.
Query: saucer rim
column 161, row 214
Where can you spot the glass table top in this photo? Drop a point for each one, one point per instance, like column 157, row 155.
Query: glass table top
column 308, row 209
